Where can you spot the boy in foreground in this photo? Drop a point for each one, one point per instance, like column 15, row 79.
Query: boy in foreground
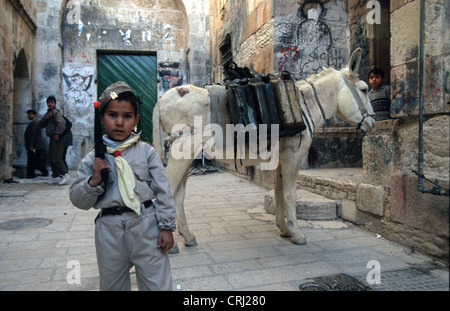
column 137, row 214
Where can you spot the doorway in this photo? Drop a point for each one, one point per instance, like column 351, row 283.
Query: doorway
column 139, row 71
column 21, row 103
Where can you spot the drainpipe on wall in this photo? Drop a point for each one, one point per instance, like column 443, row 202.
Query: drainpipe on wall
column 438, row 190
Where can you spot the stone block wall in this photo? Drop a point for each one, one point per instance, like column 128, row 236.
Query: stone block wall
column 405, row 49
column 389, row 189
column 249, row 27
column 17, row 37
column 387, row 200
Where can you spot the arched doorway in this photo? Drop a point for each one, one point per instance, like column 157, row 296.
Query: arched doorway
column 21, row 103
column 112, row 42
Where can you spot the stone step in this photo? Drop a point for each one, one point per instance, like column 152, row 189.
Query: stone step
column 309, row 206
column 335, row 184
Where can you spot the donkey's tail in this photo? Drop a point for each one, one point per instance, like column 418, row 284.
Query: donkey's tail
column 157, row 132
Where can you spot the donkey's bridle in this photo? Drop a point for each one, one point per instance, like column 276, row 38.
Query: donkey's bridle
column 361, row 106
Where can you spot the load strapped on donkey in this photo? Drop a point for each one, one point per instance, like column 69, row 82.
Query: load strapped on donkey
column 269, row 99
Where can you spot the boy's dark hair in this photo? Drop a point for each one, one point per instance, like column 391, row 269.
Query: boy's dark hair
column 129, row 97
column 51, row 98
column 377, row 71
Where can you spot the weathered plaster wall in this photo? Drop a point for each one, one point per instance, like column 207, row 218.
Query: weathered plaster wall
column 309, row 36
column 272, row 36
column 125, row 26
column 70, row 34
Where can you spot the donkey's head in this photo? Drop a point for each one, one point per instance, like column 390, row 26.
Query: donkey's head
column 353, row 102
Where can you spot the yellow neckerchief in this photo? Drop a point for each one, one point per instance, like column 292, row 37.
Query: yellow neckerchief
column 126, row 180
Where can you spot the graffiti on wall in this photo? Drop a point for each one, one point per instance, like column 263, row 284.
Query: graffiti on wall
column 149, row 29
column 437, row 75
column 309, row 48
column 359, row 38
column 77, row 84
column 289, row 58
column 79, row 91
column 405, row 89
column 170, row 75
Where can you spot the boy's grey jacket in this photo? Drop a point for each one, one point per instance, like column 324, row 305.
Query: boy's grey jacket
column 151, row 183
column 54, row 125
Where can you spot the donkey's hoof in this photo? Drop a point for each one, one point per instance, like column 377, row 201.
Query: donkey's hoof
column 299, row 239
column 174, row 249
column 191, row 243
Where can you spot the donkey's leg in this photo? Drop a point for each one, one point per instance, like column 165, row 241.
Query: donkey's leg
column 290, row 163
column 290, row 177
column 177, row 171
column 279, row 204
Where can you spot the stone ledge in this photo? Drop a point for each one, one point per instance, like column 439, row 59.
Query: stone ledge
column 336, row 184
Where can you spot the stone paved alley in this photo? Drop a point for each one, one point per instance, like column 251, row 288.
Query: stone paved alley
column 239, row 246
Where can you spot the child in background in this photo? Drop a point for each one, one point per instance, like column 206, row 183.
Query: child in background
column 137, row 214
column 379, row 95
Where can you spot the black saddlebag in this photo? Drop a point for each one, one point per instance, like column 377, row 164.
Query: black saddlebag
column 241, row 103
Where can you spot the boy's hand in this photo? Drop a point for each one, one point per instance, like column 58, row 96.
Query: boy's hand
column 97, row 167
column 165, row 240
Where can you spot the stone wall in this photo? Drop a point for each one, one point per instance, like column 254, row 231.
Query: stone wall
column 310, row 35
column 398, row 210
column 71, row 33
column 248, row 25
column 17, row 37
column 405, row 73
column 390, row 153
column 305, row 37
column 43, row 41
column 272, row 36
column 129, row 27
column 300, row 37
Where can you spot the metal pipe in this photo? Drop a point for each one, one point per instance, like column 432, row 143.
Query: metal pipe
column 420, row 155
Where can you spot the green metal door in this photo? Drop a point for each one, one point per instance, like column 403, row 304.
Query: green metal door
column 139, row 72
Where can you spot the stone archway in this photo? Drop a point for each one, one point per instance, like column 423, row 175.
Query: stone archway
column 21, row 103
column 159, row 28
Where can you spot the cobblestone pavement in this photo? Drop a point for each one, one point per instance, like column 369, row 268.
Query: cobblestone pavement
column 45, row 239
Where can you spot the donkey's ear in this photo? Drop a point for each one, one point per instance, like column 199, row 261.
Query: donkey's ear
column 355, row 61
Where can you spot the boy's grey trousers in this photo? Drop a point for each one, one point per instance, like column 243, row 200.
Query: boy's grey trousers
column 129, row 239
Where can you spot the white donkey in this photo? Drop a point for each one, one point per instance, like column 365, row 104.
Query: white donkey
column 182, row 110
